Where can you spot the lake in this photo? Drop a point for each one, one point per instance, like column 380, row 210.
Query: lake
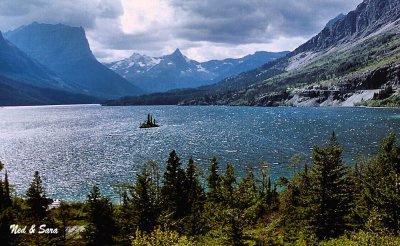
column 75, row 147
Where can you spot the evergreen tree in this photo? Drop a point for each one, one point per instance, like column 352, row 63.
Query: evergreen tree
column 235, row 226
column 101, row 227
column 37, row 200
column 229, row 185
column 6, row 213
column 233, row 214
column 144, row 201
column 2, row 203
column 64, row 215
column 382, row 183
column 214, row 181
column 194, row 221
column 7, row 195
column 247, row 190
column 194, row 190
column 329, row 201
column 173, row 190
column 124, row 219
column 6, row 220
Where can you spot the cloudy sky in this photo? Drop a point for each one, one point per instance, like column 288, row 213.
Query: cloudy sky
column 202, row 29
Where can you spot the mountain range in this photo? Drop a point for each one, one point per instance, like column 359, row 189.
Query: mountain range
column 53, row 64
column 65, row 52
column 24, row 81
column 174, row 71
column 354, row 52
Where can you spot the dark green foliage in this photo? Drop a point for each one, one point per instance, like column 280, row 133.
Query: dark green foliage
column 318, row 202
column 6, row 188
column 382, row 183
column 37, row 200
column 214, row 182
column 6, row 212
column 124, row 219
column 144, row 202
column 174, row 194
column 312, row 206
column 64, row 216
column 329, row 201
column 233, row 214
column 101, row 225
column 195, row 192
column 229, row 185
column 194, row 222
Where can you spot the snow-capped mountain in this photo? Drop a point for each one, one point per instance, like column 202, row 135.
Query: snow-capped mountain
column 174, row 71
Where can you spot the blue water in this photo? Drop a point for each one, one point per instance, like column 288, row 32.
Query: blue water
column 75, row 147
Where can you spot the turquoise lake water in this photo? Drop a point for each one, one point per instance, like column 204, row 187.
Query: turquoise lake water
column 75, row 147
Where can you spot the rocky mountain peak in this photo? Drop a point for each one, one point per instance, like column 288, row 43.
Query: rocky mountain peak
column 177, row 54
column 65, row 51
column 65, row 41
column 369, row 17
column 335, row 20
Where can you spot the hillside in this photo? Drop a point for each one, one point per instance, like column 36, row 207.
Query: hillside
column 356, row 52
column 65, row 51
column 23, row 81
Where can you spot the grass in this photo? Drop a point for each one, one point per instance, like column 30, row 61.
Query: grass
column 390, row 102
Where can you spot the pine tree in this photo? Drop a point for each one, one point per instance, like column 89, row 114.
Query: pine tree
column 173, row 190
column 101, row 227
column 194, row 222
column 233, row 214
column 124, row 215
column 6, row 211
column 195, row 193
column 329, row 201
column 247, row 191
column 7, row 195
column 382, row 183
column 229, row 185
column 2, row 203
column 37, row 200
column 214, row 182
column 144, row 201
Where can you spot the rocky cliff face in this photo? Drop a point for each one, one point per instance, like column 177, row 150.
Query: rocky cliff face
column 65, row 51
column 369, row 16
column 15, row 64
column 23, row 81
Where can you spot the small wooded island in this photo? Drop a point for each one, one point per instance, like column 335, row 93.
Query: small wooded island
column 150, row 122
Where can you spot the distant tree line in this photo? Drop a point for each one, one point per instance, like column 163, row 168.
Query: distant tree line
column 324, row 203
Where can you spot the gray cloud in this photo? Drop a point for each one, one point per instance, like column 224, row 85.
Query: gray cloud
column 249, row 21
column 226, row 23
column 14, row 13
